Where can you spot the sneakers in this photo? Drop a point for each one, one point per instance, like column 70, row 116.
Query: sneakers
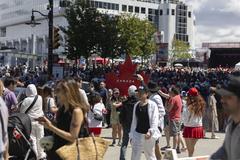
column 166, row 147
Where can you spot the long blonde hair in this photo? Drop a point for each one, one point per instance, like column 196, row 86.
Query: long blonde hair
column 74, row 98
column 1, row 88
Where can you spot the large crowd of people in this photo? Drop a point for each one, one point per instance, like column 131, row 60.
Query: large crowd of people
column 182, row 103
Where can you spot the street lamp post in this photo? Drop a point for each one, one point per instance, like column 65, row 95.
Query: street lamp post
column 33, row 23
column 50, row 37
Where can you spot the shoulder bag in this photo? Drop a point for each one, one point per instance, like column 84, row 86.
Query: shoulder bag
column 33, row 103
column 88, row 148
column 97, row 116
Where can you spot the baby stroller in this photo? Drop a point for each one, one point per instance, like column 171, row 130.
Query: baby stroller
column 19, row 130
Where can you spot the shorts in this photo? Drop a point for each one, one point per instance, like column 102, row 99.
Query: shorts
column 174, row 127
column 95, row 131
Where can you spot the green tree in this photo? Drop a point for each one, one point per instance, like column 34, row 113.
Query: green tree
column 136, row 36
column 83, row 28
column 148, row 45
column 109, row 36
column 180, row 50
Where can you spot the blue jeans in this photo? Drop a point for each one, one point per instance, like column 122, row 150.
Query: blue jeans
column 125, row 141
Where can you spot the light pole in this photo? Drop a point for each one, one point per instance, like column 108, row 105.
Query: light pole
column 33, row 23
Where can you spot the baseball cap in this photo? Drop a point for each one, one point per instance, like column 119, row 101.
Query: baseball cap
column 192, row 92
column 143, row 89
column 233, row 87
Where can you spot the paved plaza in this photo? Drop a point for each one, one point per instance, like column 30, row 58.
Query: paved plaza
column 203, row 147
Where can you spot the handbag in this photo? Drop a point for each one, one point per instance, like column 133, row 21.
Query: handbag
column 88, row 148
column 98, row 117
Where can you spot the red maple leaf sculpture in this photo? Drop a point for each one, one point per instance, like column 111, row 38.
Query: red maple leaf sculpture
column 125, row 78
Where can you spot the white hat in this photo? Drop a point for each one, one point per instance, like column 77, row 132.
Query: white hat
column 132, row 90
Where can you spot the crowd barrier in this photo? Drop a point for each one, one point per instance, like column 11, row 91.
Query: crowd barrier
column 171, row 154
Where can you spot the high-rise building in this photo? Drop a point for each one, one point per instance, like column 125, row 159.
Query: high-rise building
column 173, row 18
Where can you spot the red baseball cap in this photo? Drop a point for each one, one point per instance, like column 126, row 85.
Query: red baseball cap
column 192, row 92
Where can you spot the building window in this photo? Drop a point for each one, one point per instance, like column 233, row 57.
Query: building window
column 173, row 12
column 136, row 9
column 156, row 12
column 100, row 4
column 3, row 32
column 124, row 8
column 130, row 8
column 189, row 14
column 150, row 11
column 105, row 5
column 161, row 12
column 143, row 10
column 96, row 5
column 167, row 11
column 117, row 7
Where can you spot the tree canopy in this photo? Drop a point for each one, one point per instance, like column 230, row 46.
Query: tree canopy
column 136, row 36
column 180, row 49
column 90, row 31
column 83, row 28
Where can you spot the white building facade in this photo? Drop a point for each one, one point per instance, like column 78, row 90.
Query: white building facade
column 171, row 17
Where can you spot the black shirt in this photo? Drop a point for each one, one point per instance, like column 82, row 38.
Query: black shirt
column 126, row 113
column 143, row 124
column 63, row 122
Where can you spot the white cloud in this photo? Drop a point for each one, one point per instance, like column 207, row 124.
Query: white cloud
column 217, row 20
column 196, row 4
column 232, row 6
column 211, row 34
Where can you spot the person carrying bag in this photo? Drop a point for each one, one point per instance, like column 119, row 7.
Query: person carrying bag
column 70, row 123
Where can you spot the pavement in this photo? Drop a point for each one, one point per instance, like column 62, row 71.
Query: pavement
column 204, row 146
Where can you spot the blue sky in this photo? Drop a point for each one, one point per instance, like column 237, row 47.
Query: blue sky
column 216, row 20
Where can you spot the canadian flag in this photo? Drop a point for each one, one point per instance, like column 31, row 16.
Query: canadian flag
column 16, row 134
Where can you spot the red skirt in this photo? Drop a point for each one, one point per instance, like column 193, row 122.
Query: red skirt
column 95, row 131
column 193, row 132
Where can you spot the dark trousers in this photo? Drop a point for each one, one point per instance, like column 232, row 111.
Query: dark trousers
column 125, row 141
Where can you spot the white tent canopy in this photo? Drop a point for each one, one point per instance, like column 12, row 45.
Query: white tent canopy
column 237, row 66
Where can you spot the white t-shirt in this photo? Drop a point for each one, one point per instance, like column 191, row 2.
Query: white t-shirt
column 190, row 120
column 98, row 109
column 49, row 104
